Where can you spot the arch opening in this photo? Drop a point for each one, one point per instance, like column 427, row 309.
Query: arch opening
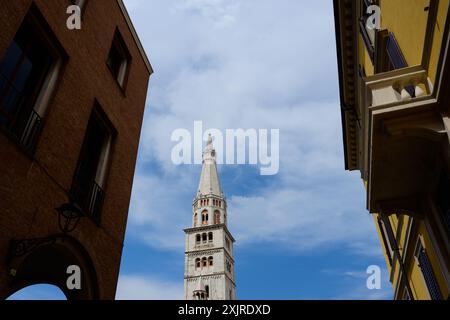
column 38, row 292
column 51, row 264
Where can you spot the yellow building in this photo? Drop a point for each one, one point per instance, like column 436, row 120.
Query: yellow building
column 395, row 88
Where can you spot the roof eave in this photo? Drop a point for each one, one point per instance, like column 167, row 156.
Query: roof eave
column 135, row 36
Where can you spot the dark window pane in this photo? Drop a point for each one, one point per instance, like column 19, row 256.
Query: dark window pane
column 22, row 72
column 114, row 61
column 394, row 53
column 397, row 59
column 88, row 164
column 86, row 189
column 10, row 60
column 118, row 59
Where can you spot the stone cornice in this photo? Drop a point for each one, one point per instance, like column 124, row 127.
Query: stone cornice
column 347, row 49
column 212, row 275
column 202, row 252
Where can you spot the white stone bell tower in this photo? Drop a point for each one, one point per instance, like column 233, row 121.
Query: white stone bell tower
column 209, row 263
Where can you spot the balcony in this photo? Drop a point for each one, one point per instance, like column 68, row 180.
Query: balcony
column 403, row 131
column 90, row 199
column 18, row 122
column 397, row 87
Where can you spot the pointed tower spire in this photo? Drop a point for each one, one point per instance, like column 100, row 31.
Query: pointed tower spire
column 209, row 179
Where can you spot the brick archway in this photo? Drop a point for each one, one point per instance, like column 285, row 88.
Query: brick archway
column 47, row 263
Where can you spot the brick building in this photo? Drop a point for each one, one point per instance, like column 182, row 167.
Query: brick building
column 71, row 110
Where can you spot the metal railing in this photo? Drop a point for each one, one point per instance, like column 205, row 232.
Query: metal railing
column 31, row 131
column 90, row 199
column 22, row 124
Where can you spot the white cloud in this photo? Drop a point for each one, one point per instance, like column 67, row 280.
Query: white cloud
column 267, row 67
column 137, row 287
column 300, row 219
column 219, row 12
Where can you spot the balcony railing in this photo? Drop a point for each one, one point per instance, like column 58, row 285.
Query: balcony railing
column 31, row 131
column 23, row 125
column 89, row 199
column 397, row 87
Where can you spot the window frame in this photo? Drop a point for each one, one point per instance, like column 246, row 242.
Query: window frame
column 204, row 263
column 385, row 238
column 205, row 217
column 39, row 101
column 102, row 172
column 118, row 43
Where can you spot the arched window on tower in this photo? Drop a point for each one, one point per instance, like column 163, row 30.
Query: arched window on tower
column 210, row 237
column 204, row 237
column 195, row 219
column 207, row 291
column 217, row 217
column 210, row 261
column 205, row 217
column 197, row 239
column 204, row 262
column 197, row 264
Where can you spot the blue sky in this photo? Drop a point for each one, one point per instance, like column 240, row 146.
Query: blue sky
column 301, row 234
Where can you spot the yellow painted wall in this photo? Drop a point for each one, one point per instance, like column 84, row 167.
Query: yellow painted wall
column 417, row 282
column 364, row 57
column 407, row 19
column 437, row 39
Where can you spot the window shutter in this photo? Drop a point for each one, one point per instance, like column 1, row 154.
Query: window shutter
column 394, row 52
column 429, row 276
column 397, row 59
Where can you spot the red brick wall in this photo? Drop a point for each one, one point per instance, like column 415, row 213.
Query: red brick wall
column 32, row 187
